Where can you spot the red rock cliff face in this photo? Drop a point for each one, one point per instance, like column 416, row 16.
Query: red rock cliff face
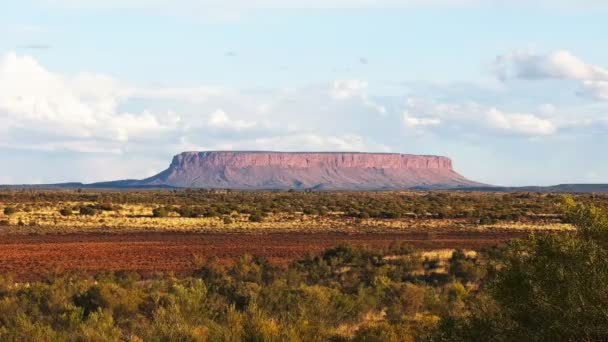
column 307, row 160
column 287, row 170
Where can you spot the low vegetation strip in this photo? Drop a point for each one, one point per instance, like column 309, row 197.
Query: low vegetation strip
column 51, row 212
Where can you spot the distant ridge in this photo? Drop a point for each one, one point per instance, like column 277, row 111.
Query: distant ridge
column 567, row 188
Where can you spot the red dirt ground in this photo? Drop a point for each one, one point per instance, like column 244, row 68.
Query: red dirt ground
column 28, row 257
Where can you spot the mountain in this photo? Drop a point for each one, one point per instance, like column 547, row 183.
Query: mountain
column 311, row 170
column 306, row 170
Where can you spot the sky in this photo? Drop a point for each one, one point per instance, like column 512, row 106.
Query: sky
column 514, row 92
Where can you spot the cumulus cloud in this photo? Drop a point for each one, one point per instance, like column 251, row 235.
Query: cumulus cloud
column 220, row 119
column 595, row 89
column 346, row 89
column 45, row 111
column 313, row 142
column 341, row 90
column 520, row 123
column 192, row 94
column 560, row 65
column 472, row 117
column 38, row 104
column 414, row 122
column 88, row 112
column 301, row 141
column 93, row 113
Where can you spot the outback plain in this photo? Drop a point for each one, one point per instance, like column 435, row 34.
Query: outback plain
column 219, row 265
column 169, row 231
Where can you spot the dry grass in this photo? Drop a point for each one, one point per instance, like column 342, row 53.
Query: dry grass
column 45, row 218
column 445, row 254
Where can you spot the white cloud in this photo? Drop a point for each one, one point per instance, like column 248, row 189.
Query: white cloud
column 346, row 89
column 342, row 90
column 315, row 142
column 219, row 119
column 46, row 111
column 195, row 94
column 559, row 64
column 520, row 123
column 595, row 89
column 473, row 118
column 86, row 107
column 50, row 112
column 302, row 141
column 414, row 122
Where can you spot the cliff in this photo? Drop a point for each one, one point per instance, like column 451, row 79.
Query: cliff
column 308, row 170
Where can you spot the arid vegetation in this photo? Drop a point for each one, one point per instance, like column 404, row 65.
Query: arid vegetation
column 546, row 286
column 386, row 266
column 67, row 211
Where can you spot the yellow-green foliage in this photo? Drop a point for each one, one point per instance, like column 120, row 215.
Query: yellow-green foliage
column 271, row 211
column 346, row 293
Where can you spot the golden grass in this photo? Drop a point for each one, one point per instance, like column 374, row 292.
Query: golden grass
column 45, row 217
column 445, row 254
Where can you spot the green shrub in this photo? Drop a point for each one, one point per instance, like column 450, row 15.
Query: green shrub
column 88, row 211
column 256, row 217
column 487, row 220
column 66, row 212
column 160, row 212
column 10, row 211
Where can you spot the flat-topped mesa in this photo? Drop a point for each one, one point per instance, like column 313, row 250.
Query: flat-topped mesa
column 309, row 159
column 307, row 170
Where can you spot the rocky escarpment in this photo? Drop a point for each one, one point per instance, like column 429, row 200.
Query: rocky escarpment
column 308, row 170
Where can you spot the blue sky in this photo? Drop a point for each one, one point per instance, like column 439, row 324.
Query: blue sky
column 514, row 92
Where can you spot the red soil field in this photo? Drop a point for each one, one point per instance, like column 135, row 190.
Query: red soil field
column 29, row 257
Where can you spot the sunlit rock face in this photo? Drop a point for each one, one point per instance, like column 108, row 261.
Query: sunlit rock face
column 308, row 170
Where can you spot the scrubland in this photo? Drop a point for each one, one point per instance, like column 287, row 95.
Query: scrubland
column 231, row 266
column 216, row 211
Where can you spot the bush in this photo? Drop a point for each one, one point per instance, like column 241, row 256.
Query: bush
column 160, row 212
column 104, row 207
column 548, row 287
column 381, row 333
column 228, row 220
column 191, row 212
column 9, row 211
column 256, row 217
column 590, row 221
column 65, row 212
column 487, row 220
column 88, row 211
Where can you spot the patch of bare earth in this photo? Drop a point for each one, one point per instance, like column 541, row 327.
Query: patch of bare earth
column 29, row 257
